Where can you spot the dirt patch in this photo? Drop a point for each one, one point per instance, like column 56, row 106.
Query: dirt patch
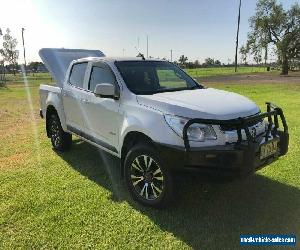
column 265, row 78
column 14, row 160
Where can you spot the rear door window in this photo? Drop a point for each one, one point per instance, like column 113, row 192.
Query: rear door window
column 77, row 74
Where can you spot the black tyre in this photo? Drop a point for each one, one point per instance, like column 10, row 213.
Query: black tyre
column 60, row 140
column 147, row 178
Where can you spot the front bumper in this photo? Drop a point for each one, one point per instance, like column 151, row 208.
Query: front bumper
column 240, row 158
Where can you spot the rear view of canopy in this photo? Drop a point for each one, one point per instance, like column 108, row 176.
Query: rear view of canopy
column 57, row 61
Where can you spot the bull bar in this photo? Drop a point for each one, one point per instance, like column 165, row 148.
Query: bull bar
column 241, row 123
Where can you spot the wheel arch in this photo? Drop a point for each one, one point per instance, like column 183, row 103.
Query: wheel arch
column 130, row 139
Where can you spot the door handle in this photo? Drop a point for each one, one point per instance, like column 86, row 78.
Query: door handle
column 84, row 100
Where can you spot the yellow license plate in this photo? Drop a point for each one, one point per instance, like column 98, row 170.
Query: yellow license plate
column 268, row 149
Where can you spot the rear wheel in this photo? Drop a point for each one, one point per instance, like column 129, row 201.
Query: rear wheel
column 60, row 140
column 147, row 178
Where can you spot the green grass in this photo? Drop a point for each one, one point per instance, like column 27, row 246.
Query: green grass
column 217, row 71
column 76, row 199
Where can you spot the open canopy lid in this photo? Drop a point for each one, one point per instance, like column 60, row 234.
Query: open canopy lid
column 57, row 61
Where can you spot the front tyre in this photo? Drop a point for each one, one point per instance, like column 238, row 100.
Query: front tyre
column 60, row 140
column 147, row 179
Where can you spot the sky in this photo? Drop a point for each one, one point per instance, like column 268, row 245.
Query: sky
column 198, row 29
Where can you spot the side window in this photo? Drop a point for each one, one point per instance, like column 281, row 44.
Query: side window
column 100, row 75
column 77, row 74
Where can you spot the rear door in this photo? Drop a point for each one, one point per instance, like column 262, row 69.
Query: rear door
column 74, row 97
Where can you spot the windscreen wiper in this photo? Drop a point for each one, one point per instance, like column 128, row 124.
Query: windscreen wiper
column 195, row 87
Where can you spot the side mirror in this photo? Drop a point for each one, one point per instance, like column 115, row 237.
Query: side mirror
column 106, row 90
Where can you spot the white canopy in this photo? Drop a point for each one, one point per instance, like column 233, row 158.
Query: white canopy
column 57, row 61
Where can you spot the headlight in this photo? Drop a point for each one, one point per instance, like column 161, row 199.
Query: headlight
column 196, row 132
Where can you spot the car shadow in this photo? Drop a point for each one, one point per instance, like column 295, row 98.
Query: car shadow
column 207, row 213
column 97, row 165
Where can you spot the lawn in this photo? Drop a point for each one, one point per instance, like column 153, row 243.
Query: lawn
column 77, row 200
column 217, row 71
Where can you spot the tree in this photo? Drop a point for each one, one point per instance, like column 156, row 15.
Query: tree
column 244, row 53
column 257, row 57
column 2, row 72
column 35, row 66
column 182, row 60
column 1, row 61
column 272, row 25
column 217, row 63
column 9, row 52
column 208, row 62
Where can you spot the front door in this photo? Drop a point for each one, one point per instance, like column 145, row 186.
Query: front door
column 102, row 114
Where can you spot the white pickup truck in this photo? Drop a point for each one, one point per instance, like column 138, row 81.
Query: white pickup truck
column 156, row 119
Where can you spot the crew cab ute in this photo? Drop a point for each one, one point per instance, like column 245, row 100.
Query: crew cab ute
column 156, row 119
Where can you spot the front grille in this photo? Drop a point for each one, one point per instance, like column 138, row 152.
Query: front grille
column 231, row 128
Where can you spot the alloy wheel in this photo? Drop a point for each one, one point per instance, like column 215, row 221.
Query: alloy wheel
column 147, row 177
column 55, row 133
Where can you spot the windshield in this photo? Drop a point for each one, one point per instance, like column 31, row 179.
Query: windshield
column 150, row 77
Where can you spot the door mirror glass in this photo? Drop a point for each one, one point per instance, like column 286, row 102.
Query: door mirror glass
column 106, row 90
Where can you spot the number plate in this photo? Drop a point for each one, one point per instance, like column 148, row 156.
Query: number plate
column 268, row 149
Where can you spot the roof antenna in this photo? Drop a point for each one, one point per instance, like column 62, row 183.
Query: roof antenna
column 140, row 54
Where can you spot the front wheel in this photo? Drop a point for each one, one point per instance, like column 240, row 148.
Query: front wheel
column 148, row 180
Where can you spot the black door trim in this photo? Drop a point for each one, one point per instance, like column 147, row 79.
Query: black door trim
column 92, row 139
